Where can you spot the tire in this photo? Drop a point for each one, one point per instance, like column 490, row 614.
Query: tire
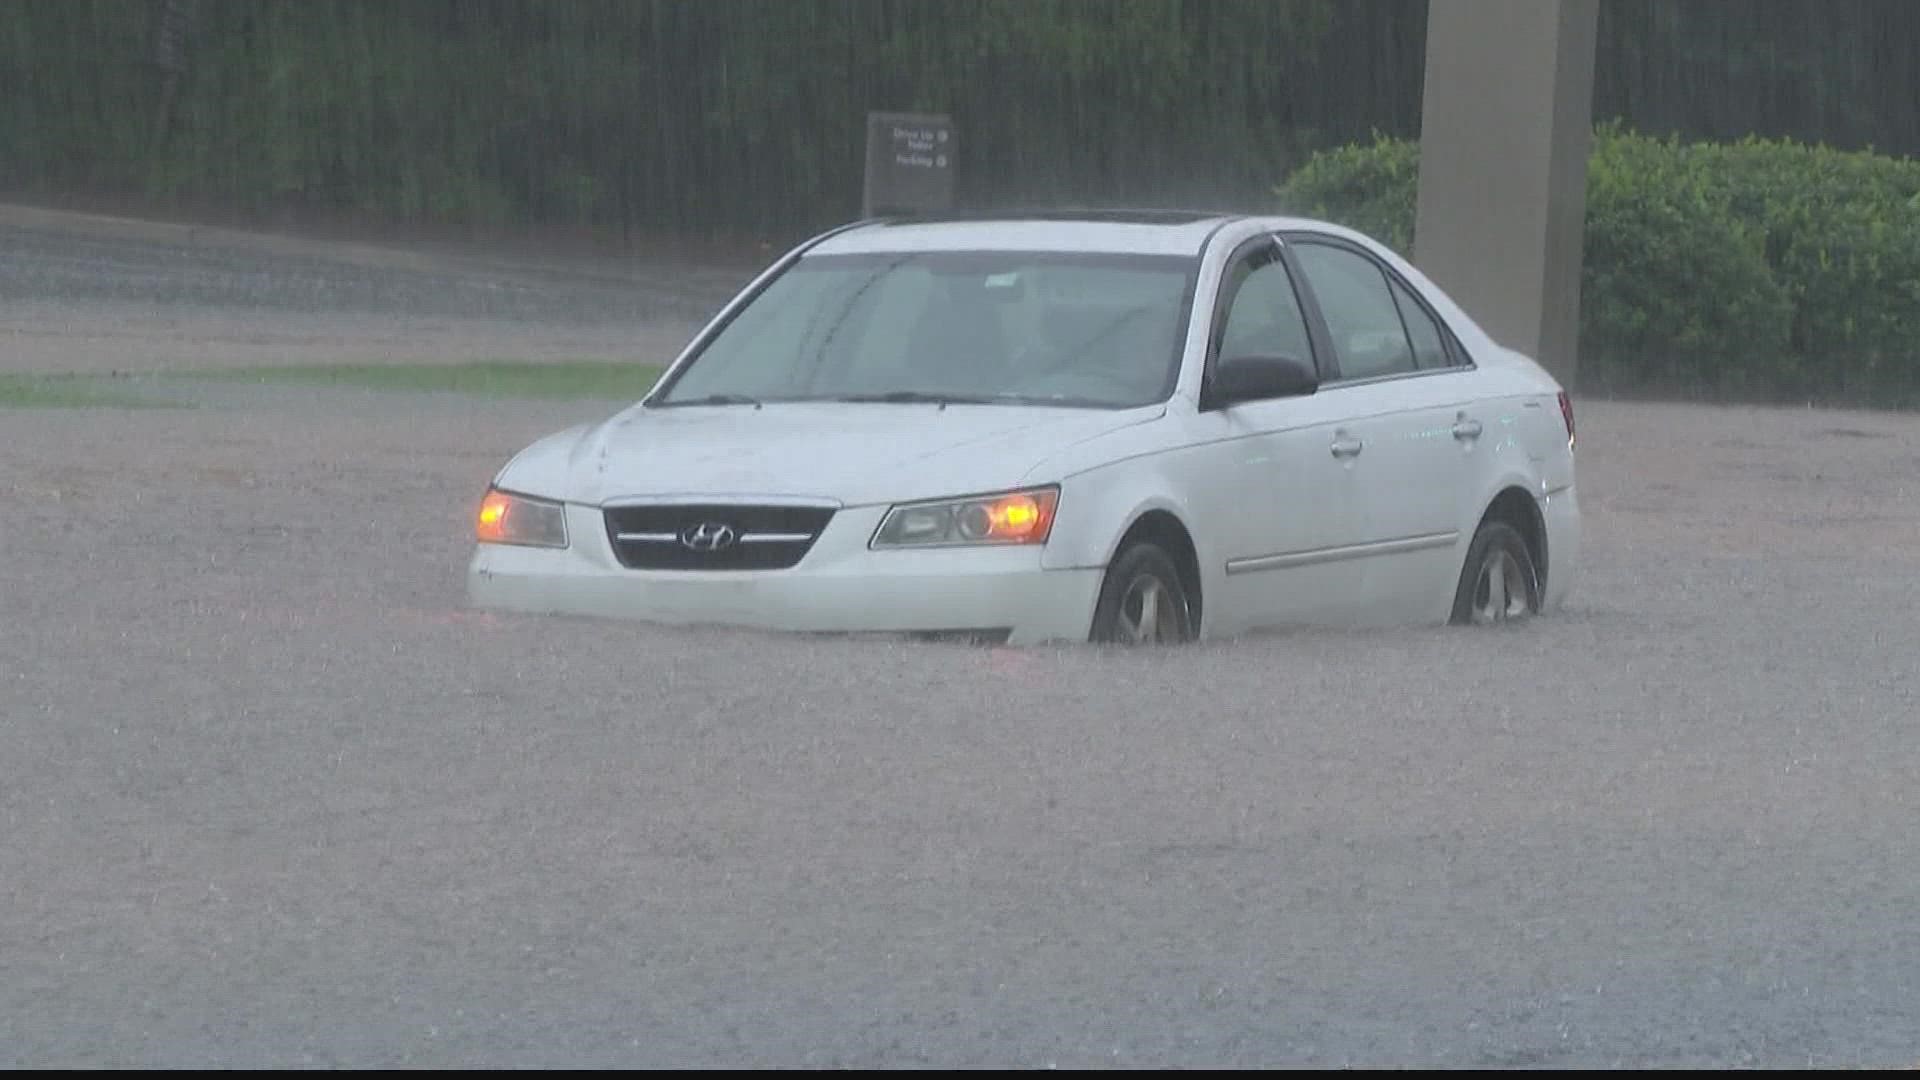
column 1142, row 600
column 1499, row 565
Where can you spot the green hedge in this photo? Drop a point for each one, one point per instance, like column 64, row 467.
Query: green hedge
column 1758, row 269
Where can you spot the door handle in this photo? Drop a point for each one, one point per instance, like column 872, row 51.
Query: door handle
column 1345, row 446
column 1465, row 429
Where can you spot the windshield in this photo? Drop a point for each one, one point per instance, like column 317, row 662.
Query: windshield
column 1039, row 328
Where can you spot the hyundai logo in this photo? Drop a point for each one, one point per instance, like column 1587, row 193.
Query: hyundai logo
column 708, row 536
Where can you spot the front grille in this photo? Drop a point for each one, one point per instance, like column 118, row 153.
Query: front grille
column 724, row 536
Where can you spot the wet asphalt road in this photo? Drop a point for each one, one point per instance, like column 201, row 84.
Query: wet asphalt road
column 41, row 264
column 271, row 796
column 91, row 300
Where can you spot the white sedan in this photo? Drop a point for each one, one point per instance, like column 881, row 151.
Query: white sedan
column 1123, row 427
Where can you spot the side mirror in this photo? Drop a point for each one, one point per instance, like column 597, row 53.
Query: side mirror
column 1257, row 378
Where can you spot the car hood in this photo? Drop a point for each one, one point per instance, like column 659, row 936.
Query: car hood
column 853, row 453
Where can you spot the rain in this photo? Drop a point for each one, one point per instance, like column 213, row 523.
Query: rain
column 283, row 285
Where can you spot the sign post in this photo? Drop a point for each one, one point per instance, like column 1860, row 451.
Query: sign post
column 910, row 158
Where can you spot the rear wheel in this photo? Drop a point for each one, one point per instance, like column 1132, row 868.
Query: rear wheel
column 1498, row 583
column 1142, row 600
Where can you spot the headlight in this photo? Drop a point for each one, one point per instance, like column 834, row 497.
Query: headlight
column 1013, row 517
column 506, row 518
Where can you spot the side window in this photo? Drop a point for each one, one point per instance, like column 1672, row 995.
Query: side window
column 1429, row 350
column 1264, row 316
column 1369, row 339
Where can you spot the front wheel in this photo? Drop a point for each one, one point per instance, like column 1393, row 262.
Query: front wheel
column 1142, row 600
column 1498, row 583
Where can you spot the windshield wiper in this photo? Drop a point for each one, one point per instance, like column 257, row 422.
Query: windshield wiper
column 718, row 399
column 915, row 397
column 918, row 397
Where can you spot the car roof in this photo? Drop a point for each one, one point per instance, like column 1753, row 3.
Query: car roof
column 1134, row 232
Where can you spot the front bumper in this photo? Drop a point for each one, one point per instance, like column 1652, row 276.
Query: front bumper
column 840, row 586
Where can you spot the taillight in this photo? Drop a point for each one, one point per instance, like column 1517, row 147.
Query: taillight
column 1566, row 413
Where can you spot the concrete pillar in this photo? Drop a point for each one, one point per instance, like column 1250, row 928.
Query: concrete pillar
column 1506, row 126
